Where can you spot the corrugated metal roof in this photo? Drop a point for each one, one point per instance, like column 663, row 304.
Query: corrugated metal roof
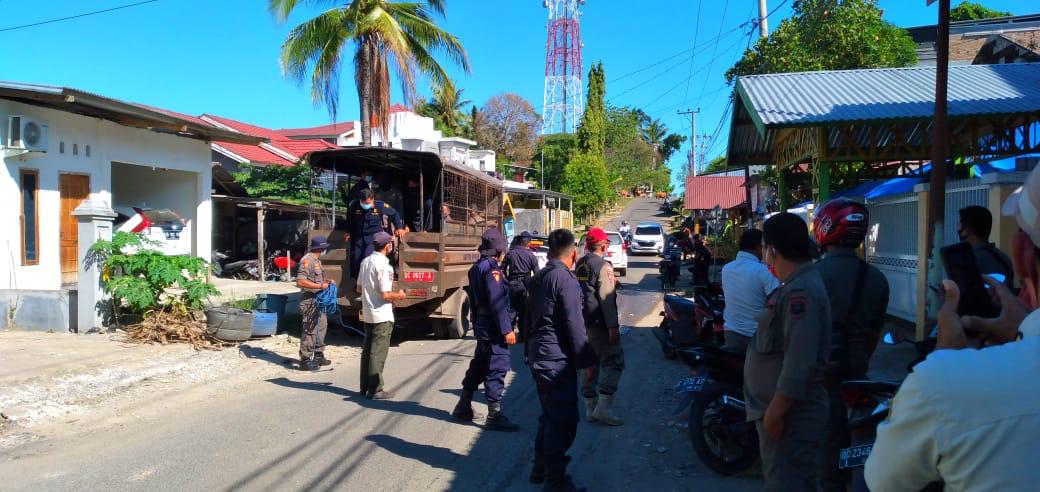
column 705, row 192
column 808, row 98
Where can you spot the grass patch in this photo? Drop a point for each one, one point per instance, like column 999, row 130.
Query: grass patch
column 248, row 303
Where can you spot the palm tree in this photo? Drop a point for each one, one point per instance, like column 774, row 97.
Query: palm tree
column 654, row 133
column 446, row 108
column 382, row 34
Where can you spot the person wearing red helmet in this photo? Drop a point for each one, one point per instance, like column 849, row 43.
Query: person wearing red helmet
column 858, row 315
column 600, row 310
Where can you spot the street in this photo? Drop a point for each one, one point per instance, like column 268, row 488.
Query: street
column 280, row 429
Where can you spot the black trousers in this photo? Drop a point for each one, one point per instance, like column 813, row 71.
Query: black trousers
column 557, row 384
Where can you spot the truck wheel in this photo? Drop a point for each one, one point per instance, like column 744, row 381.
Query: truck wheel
column 456, row 327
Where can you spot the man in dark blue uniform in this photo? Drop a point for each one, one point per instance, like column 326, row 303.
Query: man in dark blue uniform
column 494, row 332
column 556, row 348
column 520, row 265
column 366, row 217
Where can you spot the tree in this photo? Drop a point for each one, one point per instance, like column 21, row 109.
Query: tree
column 508, row 124
column 828, row 35
column 446, row 109
column 715, row 165
column 592, row 129
column 290, row 184
column 585, row 178
column 670, row 144
column 973, row 11
column 556, row 151
column 656, row 134
column 383, row 34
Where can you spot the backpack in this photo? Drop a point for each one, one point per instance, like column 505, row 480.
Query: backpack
column 849, row 354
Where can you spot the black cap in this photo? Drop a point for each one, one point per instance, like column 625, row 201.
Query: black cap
column 492, row 243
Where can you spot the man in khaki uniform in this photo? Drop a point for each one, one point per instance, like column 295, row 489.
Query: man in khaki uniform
column 784, row 369
column 600, row 311
column 311, row 280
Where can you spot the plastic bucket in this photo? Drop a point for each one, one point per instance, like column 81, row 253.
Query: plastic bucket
column 265, row 324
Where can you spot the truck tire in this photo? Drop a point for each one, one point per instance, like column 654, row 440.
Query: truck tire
column 456, row 327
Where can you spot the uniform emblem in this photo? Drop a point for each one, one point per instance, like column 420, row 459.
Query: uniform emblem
column 796, row 306
column 497, row 275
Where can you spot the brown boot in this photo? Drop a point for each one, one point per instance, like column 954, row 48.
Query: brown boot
column 603, row 411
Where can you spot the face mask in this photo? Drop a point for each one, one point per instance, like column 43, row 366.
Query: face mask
column 366, row 206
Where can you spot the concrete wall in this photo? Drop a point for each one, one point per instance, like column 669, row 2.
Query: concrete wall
column 109, row 142
column 36, row 310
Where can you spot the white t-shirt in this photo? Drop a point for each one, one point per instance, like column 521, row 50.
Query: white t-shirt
column 375, row 277
column 970, row 417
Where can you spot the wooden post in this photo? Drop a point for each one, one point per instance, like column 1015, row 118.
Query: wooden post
column 940, row 141
column 260, row 240
column 781, row 190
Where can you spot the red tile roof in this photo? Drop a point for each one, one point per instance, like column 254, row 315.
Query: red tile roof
column 330, row 129
column 280, row 141
column 705, row 192
column 398, row 108
column 255, row 154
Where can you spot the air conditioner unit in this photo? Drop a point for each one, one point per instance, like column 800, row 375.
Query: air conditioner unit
column 25, row 134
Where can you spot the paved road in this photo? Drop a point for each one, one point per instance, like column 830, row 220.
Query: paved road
column 312, row 431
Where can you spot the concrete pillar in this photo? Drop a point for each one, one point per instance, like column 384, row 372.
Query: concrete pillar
column 95, row 219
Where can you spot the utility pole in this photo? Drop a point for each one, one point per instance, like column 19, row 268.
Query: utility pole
column 940, row 143
column 691, row 158
column 763, row 23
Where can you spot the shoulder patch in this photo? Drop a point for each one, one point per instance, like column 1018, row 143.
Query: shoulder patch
column 797, row 305
column 497, row 275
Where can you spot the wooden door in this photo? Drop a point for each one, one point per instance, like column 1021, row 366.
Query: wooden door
column 73, row 189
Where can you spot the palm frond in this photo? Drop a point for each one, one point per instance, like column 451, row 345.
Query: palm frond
column 281, row 9
column 315, row 46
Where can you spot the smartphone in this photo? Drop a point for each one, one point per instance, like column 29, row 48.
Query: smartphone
column 959, row 261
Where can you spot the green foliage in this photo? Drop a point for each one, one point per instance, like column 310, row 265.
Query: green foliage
column 828, row 35
column 592, row 129
column 973, row 11
column 669, row 145
column 291, row 184
column 715, row 165
column 446, row 109
column 248, row 303
column 138, row 277
column 558, row 150
column 585, row 178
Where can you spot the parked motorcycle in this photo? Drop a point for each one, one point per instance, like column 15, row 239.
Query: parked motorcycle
column 868, row 403
column 670, row 265
column 225, row 268
column 686, row 322
column 719, row 432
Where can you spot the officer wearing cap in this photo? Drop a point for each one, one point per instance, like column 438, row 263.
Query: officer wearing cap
column 786, row 359
column 366, row 217
column 311, row 280
column 600, row 311
column 520, row 265
column 494, row 332
column 557, row 348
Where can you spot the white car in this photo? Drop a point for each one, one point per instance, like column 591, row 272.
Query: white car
column 617, row 252
column 161, row 225
column 648, row 237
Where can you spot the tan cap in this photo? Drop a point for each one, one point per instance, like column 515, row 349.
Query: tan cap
column 1024, row 206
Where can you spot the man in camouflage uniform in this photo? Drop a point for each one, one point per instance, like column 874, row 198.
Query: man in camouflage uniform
column 311, row 280
column 600, row 311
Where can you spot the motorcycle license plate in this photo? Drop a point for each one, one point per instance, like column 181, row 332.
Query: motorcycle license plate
column 691, row 384
column 854, row 456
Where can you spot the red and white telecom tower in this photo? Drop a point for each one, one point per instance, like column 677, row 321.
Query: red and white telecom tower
column 563, row 94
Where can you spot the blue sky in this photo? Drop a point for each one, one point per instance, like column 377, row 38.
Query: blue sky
column 221, row 56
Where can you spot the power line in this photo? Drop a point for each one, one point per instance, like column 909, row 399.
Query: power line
column 696, row 33
column 714, row 51
column 77, row 16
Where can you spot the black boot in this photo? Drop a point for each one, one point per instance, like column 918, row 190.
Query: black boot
column 464, row 409
column 497, row 421
column 319, row 357
column 537, row 471
column 560, row 483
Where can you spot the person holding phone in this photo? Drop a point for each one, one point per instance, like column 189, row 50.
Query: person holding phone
column 973, row 228
column 969, row 414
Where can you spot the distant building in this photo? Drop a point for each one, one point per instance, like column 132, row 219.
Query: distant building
column 1013, row 39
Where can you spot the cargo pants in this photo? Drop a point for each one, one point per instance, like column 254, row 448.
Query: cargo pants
column 489, row 366
column 790, row 464
column 315, row 324
column 373, row 356
column 603, row 378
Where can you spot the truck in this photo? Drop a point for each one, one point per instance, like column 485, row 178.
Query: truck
column 446, row 212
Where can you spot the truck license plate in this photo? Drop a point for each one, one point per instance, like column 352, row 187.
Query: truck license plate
column 691, row 384
column 418, row 277
column 854, row 456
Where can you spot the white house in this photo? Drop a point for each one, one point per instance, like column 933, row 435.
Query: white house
column 61, row 147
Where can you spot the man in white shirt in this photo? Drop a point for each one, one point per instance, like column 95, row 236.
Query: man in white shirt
column 747, row 283
column 971, row 417
column 376, row 283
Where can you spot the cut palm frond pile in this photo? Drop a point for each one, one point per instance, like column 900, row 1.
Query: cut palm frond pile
column 165, row 327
